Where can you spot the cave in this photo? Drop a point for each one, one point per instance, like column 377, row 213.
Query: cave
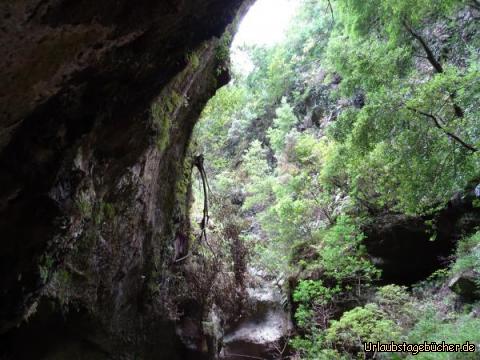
column 409, row 249
column 403, row 250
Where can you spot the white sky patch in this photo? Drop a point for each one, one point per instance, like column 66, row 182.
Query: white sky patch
column 265, row 24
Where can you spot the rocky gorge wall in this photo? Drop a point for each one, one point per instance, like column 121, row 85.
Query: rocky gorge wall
column 94, row 178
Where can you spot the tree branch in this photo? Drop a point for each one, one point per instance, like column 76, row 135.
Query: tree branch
column 430, row 56
column 434, row 62
column 437, row 123
column 331, row 9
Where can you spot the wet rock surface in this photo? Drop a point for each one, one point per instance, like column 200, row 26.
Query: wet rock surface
column 262, row 331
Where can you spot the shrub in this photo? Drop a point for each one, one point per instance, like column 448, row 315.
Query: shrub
column 359, row 325
column 397, row 304
column 468, row 254
column 461, row 329
column 314, row 303
column 342, row 256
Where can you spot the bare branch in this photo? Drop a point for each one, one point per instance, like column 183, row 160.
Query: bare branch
column 198, row 162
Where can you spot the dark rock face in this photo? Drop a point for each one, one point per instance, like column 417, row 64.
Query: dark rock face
column 409, row 249
column 93, row 183
column 466, row 284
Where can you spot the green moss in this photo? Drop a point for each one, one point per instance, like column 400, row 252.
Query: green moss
column 104, row 211
column 193, row 60
column 45, row 267
column 162, row 112
column 84, row 205
column 222, row 52
column 182, row 186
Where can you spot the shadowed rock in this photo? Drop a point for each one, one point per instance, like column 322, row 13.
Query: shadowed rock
column 93, row 183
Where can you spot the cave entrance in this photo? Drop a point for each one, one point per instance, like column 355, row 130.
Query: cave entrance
column 405, row 249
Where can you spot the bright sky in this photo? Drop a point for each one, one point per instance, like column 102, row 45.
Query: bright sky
column 264, row 24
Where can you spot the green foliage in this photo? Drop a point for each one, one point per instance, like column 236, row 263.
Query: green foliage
column 366, row 64
column 45, row 267
column 222, row 51
column 362, row 18
column 217, row 118
column 282, row 125
column 467, row 254
column 311, row 294
column 362, row 324
column 392, row 296
column 104, row 212
column 397, row 304
column 84, row 205
column 476, row 203
column 313, row 348
column 342, row 255
column 62, row 286
column 257, row 171
column 313, row 290
column 397, row 156
column 193, row 60
column 430, row 327
column 344, row 119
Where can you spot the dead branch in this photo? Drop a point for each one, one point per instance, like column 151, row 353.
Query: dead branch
column 182, row 258
column 198, row 163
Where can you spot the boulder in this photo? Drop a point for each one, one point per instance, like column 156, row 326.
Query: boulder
column 466, row 284
column 262, row 330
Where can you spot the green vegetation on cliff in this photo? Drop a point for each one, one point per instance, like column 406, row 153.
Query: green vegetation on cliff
column 370, row 108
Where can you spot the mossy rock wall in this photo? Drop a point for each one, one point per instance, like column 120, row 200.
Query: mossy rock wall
column 94, row 183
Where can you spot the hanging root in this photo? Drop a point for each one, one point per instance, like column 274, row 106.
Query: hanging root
column 198, row 163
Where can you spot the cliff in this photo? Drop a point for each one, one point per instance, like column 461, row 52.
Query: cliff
column 97, row 108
